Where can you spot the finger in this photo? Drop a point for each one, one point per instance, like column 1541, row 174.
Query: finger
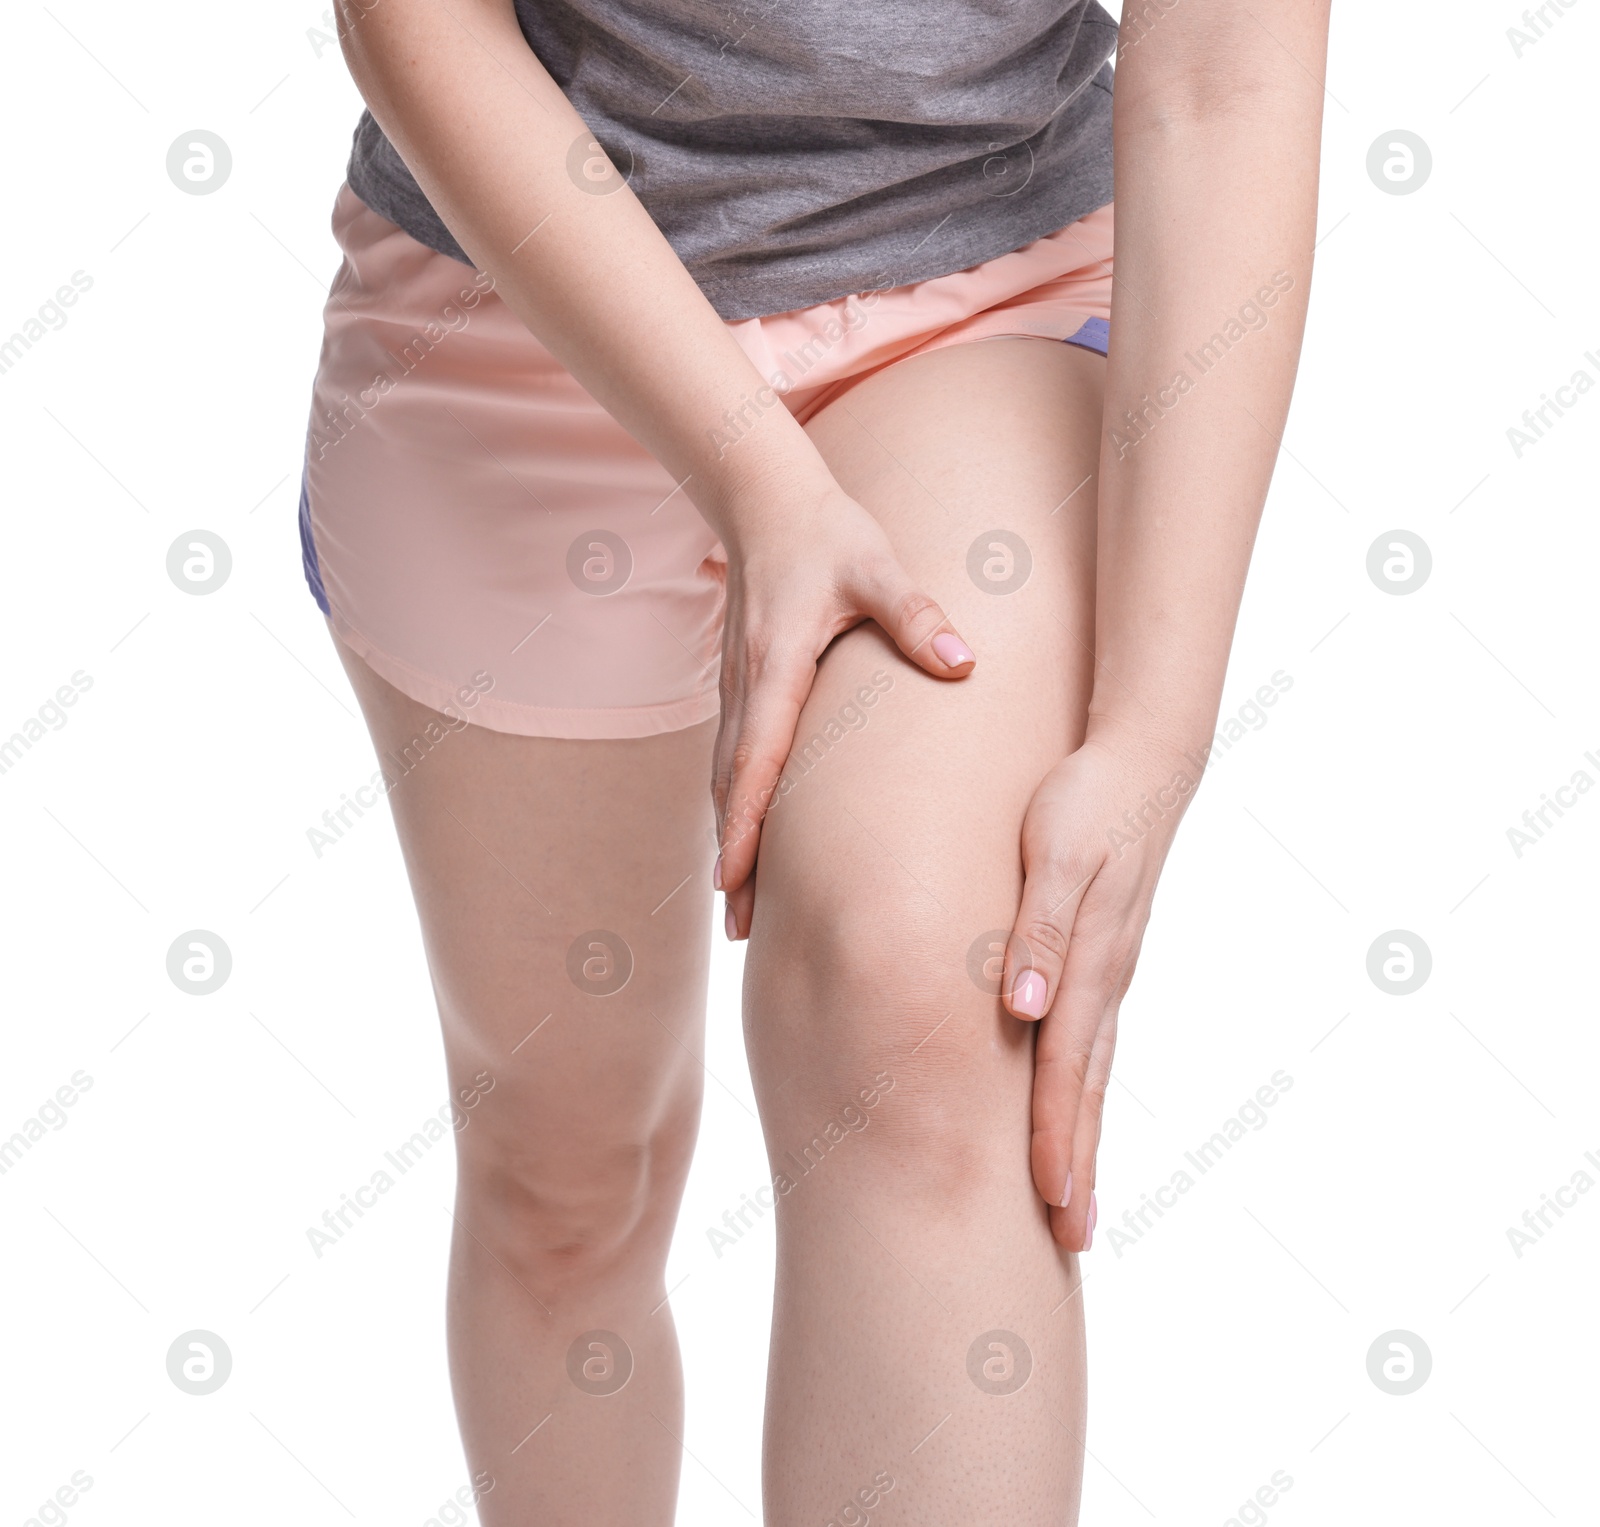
column 740, row 908
column 1065, row 1236
column 1036, row 957
column 756, row 753
column 1036, row 951
column 730, row 706
column 1072, row 1225
column 1064, row 1061
column 733, row 712
column 914, row 622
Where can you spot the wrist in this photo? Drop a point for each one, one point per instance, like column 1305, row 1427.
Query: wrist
column 1179, row 743
column 768, row 477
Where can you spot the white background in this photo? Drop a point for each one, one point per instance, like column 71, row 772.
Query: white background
column 1231, row 1340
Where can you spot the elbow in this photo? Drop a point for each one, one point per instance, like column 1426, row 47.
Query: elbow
column 1179, row 69
column 1179, row 97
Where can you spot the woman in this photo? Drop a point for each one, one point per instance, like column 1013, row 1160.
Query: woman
column 657, row 339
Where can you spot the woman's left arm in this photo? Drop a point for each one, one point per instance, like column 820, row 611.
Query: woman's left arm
column 1217, row 120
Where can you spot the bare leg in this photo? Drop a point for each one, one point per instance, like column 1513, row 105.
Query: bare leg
column 927, row 1329
column 573, row 1157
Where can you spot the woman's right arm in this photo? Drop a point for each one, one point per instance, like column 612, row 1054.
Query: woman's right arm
column 487, row 133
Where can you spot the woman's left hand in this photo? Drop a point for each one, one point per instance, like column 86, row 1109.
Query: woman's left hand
column 1093, row 842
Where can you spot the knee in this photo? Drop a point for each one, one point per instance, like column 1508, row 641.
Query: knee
column 870, row 1039
column 563, row 1212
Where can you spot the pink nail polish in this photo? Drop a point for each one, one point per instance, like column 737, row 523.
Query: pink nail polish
column 731, row 926
column 1027, row 996
column 1088, row 1236
column 1066, row 1192
column 1094, row 1214
column 716, row 874
column 952, row 651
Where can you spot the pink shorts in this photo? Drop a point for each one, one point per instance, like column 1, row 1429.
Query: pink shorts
column 483, row 533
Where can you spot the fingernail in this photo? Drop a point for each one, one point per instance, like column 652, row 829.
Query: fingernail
column 716, row 874
column 1027, row 996
column 1088, row 1235
column 730, row 924
column 1066, row 1192
column 1094, row 1214
column 952, row 651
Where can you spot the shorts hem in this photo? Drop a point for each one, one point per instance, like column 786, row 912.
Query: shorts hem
column 577, row 723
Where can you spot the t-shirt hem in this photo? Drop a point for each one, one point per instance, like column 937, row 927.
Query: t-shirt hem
column 751, row 297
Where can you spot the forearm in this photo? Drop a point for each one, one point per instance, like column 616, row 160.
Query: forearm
column 1216, row 214
column 487, row 133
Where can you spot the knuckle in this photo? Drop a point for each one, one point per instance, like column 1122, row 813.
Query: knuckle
column 1041, row 937
column 742, row 815
column 1111, row 976
column 1073, row 1064
column 1077, row 1063
column 754, row 660
column 1106, row 985
column 1059, row 867
column 1103, row 950
column 1093, row 1104
column 755, row 761
column 1106, row 1041
column 767, row 648
column 913, row 608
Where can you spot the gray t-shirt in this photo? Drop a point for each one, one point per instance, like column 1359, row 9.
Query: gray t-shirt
column 795, row 151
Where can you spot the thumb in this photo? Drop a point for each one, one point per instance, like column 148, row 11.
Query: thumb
column 915, row 623
column 1036, row 952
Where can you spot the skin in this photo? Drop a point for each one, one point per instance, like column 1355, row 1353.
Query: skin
column 1218, row 123
column 920, row 1231
column 958, row 809
column 571, row 1169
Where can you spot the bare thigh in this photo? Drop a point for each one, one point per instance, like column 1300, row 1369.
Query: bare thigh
column 564, row 894
column 562, row 888
column 897, row 841
column 895, row 1090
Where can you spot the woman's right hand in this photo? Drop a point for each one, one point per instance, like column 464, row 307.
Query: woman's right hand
column 797, row 578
